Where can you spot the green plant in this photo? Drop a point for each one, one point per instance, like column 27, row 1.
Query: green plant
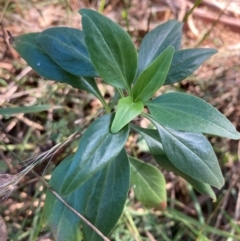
column 95, row 180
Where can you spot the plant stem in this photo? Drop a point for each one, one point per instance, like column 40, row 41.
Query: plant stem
column 120, row 92
column 191, row 10
column 105, row 105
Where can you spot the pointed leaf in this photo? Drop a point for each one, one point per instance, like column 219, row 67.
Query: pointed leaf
column 156, row 41
column 189, row 113
column 148, row 184
column 112, row 52
column 105, row 205
column 185, row 62
column 67, row 48
column 127, row 110
column 100, row 199
column 192, row 154
column 40, row 61
column 43, row 64
column 153, row 77
column 155, row 146
column 98, row 147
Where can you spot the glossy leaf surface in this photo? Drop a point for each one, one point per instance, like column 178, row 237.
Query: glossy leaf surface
column 127, row 110
column 40, row 61
column 153, row 77
column 189, row 113
column 63, row 222
column 192, row 154
column 185, row 62
column 111, row 49
column 100, row 199
column 44, row 65
column 155, row 146
column 148, row 184
column 156, row 41
column 67, row 48
column 98, row 147
column 109, row 193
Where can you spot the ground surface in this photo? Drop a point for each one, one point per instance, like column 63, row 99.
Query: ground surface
column 213, row 24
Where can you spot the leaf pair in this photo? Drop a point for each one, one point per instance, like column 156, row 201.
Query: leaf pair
column 100, row 199
column 94, row 181
column 59, row 54
column 187, row 156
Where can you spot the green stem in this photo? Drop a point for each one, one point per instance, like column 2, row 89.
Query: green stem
column 101, row 7
column 105, row 105
column 120, row 92
column 191, row 10
column 114, row 100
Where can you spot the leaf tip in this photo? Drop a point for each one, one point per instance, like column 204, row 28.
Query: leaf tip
column 162, row 206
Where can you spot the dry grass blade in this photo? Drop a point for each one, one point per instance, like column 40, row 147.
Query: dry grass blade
column 8, row 182
column 71, row 208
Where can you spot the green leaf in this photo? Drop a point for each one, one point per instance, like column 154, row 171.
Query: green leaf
column 156, row 41
column 43, row 64
column 201, row 187
column 40, row 61
column 185, row 62
column 100, row 199
column 153, row 77
column 89, row 84
column 152, row 138
column 127, row 110
column 67, row 48
column 148, row 184
column 192, row 154
column 24, row 109
column 98, row 147
column 155, row 146
column 63, row 222
column 111, row 50
column 105, row 205
column 189, row 113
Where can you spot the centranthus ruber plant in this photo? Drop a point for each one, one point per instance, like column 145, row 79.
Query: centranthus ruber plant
column 95, row 180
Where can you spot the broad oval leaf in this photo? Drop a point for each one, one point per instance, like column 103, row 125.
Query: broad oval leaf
column 67, row 48
column 189, row 113
column 192, row 154
column 185, row 62
column 153, row 77
column 100, row 199
column 148, row 184
column 127, row 110
column 155, row 146
column 40, row 61
column 156, row 41
column 111, row 49
column 98, row 147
